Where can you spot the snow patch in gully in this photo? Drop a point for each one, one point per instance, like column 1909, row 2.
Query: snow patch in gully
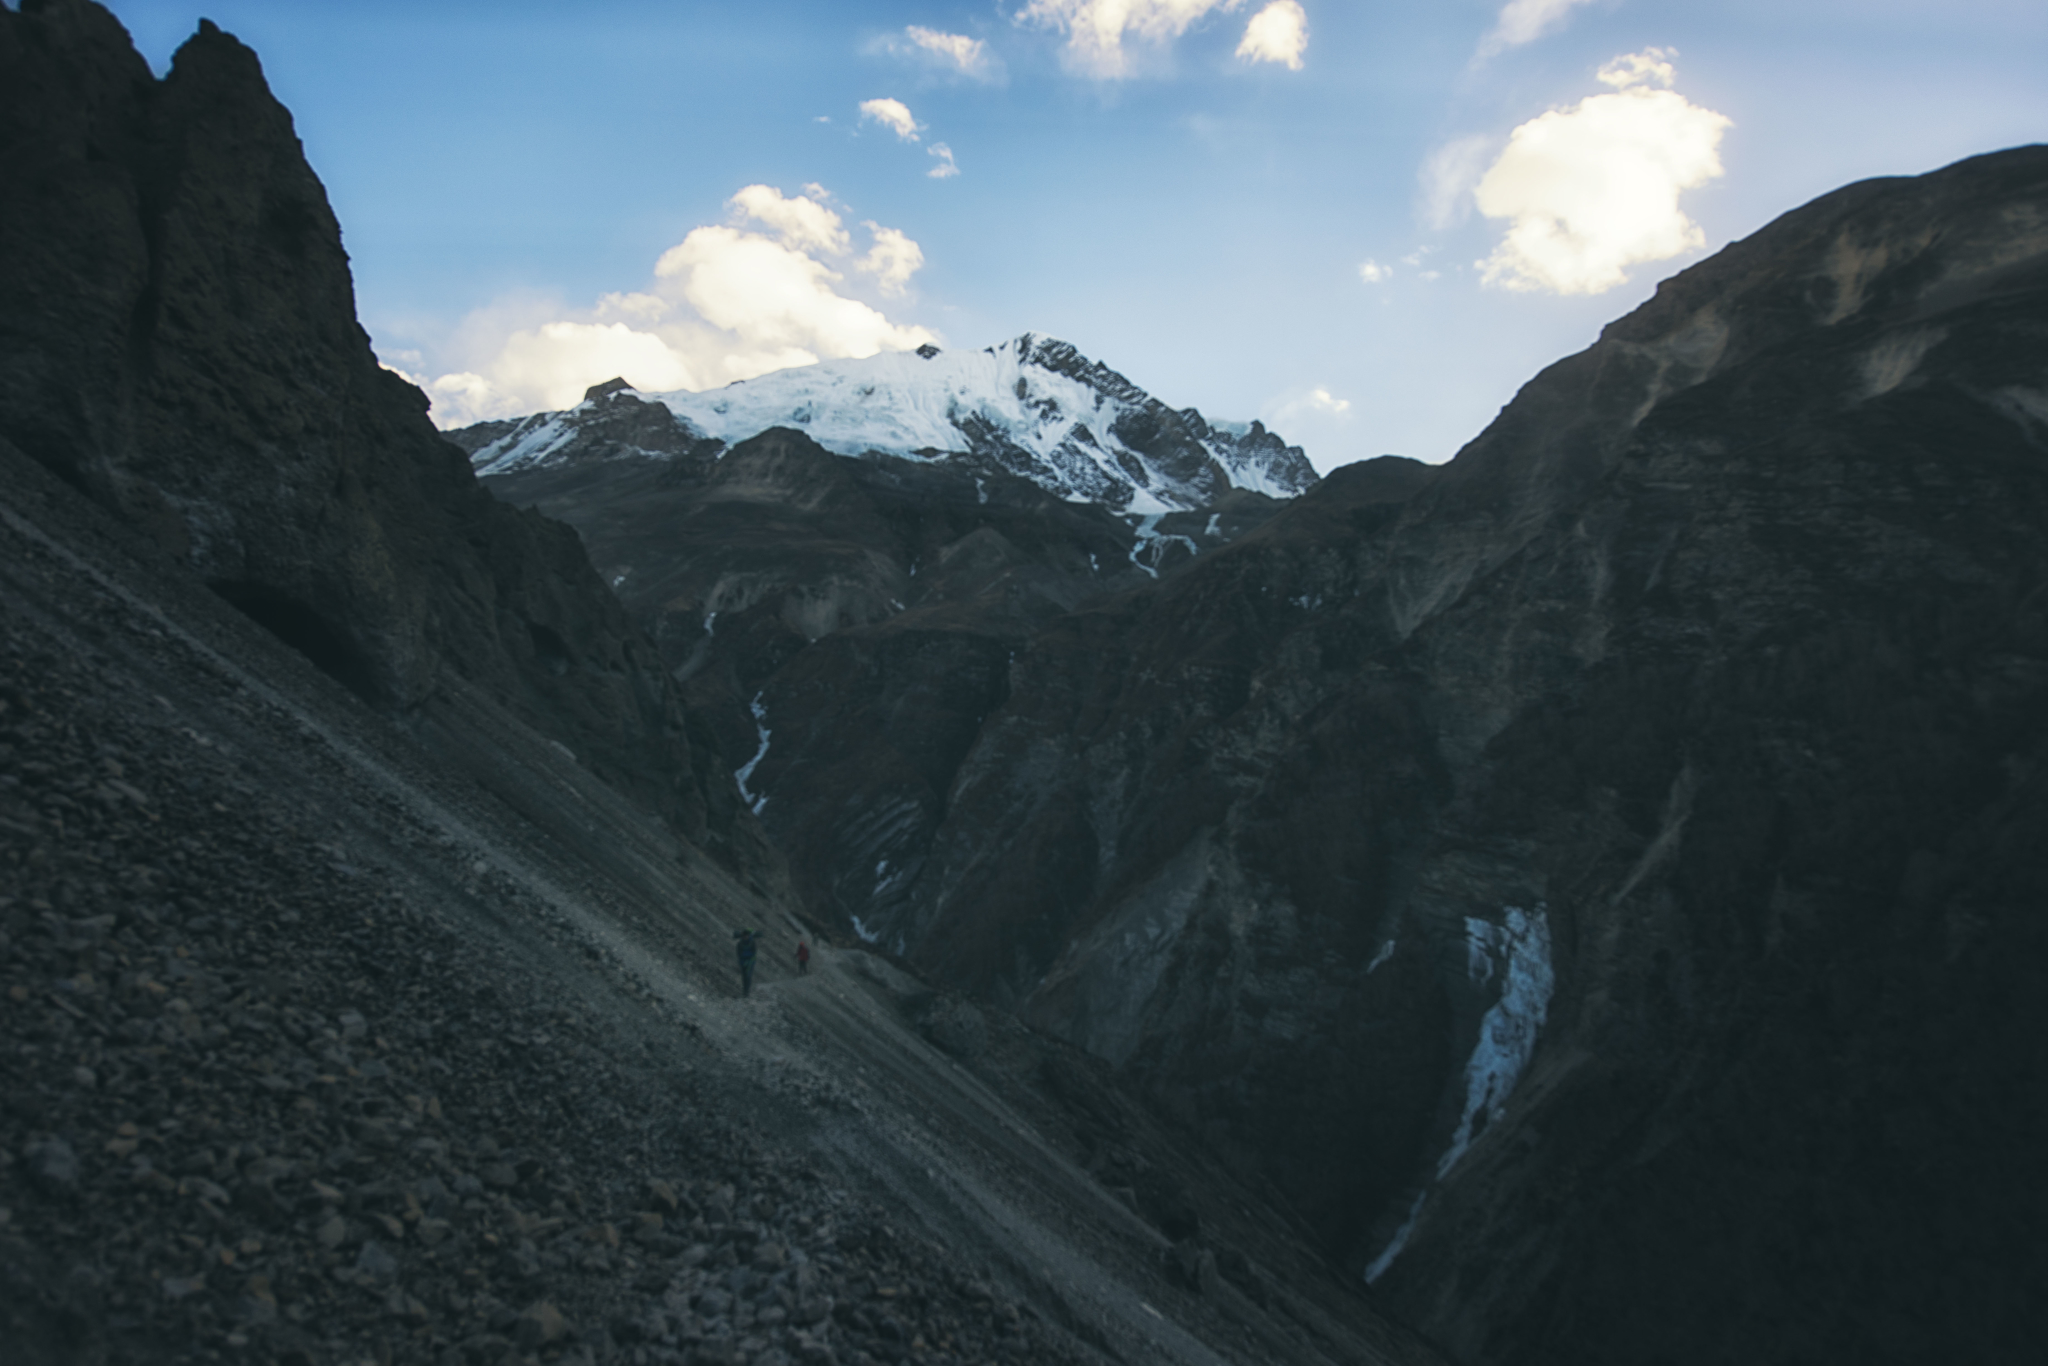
column 746, row 771
column 1150, row 542
column 1516, row 955
column 1518, row 949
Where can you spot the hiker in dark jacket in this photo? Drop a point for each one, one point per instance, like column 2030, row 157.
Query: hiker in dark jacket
column 748, row 945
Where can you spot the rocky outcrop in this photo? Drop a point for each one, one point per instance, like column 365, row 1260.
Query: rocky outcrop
column 178, row 339
column 613, row 422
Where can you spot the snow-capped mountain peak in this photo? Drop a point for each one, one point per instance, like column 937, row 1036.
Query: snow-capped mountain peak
column 1033, row 406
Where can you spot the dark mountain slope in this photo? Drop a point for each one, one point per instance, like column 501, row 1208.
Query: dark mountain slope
column 1788, row 1064
column 1622, row 847
column 178, row 339
column 316, row 1051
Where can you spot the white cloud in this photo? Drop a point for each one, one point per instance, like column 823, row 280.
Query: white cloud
column 775, row 300
column 1373, row 273
column 1277, row 33
column 728, row 302
column 1593, row 189
column 954, row 51
column 462, row 398
column 946, row 169
column 1524, row 21
column 803, row 223
column 892, row 114
column 550, row 366
column 1447, row 179
column 1638, row 68
column 1315, row 418
column 892, row 260
column 645, row 307
column 553, row 360
column 1096, row 29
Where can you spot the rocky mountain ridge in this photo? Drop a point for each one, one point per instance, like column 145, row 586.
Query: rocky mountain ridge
column 1033, row 408
column 365, row 919
column 1512, row 860
column 178, row 340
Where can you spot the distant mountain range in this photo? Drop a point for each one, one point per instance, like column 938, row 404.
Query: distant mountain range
column 1033, row 407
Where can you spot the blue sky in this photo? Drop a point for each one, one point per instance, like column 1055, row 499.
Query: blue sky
column 1367, row 224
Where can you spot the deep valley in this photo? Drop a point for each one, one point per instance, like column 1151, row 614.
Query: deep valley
column 1579, row 903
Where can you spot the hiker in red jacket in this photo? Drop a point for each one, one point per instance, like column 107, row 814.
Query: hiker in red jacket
column 803, row 956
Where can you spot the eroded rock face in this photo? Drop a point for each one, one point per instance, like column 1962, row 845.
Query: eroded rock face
column 1597, row 878
column 178, row 338
column 1766, row 706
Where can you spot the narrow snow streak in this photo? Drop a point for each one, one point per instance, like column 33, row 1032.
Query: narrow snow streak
column 1386, row 952
column 1397, row 1242
column 888, row 880
column 760, row 711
